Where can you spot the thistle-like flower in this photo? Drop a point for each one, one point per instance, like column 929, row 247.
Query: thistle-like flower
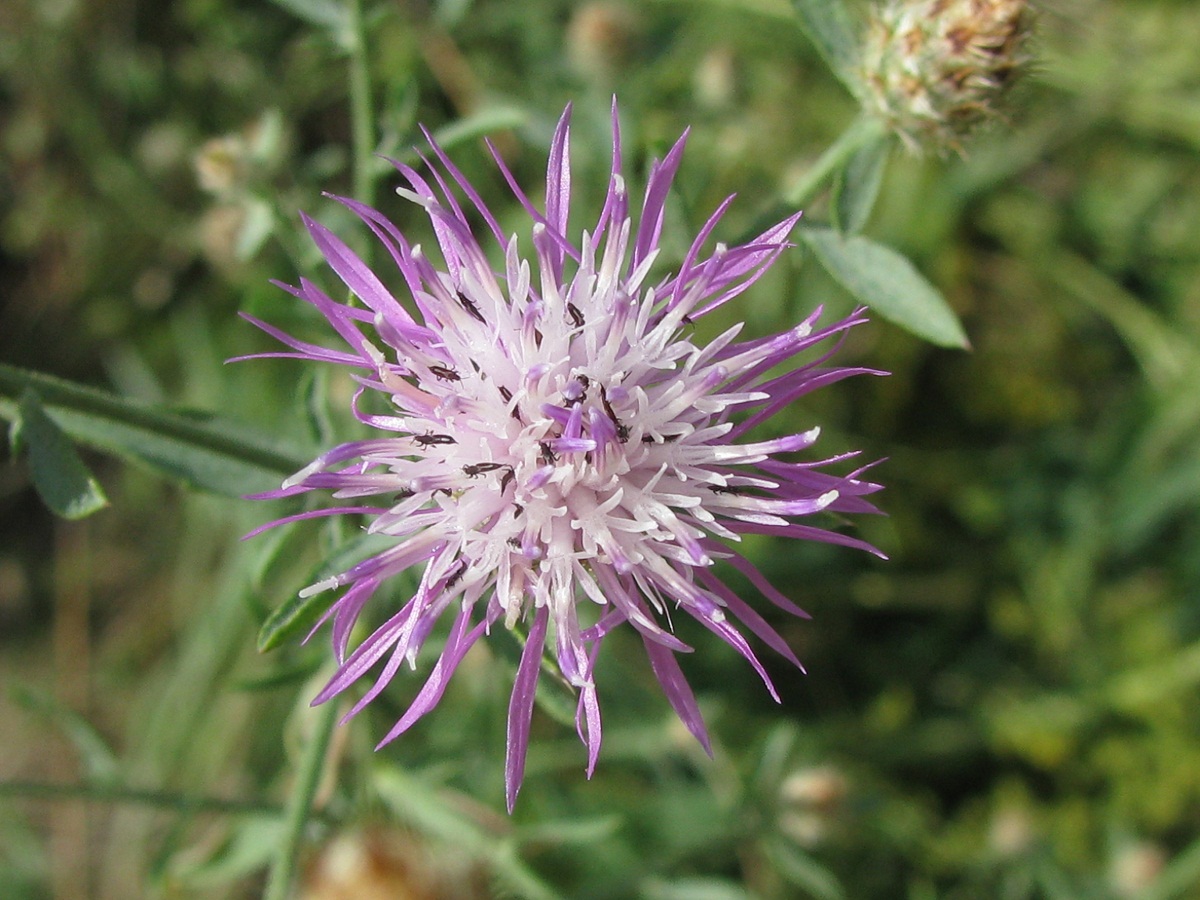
column 934, row 70
column 556, row 454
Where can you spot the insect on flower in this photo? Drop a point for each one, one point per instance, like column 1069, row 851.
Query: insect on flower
column 620, row 489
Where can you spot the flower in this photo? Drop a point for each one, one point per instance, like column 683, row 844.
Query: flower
column 555, row 440
column 934, row 70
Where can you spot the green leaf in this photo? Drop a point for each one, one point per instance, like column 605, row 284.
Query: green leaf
column 59, row 475
column 322, row 13
column 298, row 615
column 803, row 871
column 435, row 812
column 829, row 26
column 487, row 120
column 201, row 450
column 97, row 758
column 857, row 185
column 888, row 283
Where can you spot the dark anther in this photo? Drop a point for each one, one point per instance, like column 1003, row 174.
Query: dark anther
column 575, row 314
column 506, row 479
column 404, row 494
column 476, row 469
column 506, row 394
column 470, row 307
column 518, row 510
column 548, row 455
column 428, row 440
column 446, row 491
column 647, row 439
column 445, row 373
column 537, row 337
column 584, row 380
column 514, row 543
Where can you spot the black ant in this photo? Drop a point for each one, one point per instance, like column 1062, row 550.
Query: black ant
column 548, row 455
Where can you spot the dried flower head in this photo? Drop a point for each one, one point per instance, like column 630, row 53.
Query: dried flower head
column 934, row 70
column 555, row 442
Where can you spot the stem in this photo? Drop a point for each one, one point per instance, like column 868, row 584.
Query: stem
column 119, row 794
column 362, row 138
column 362, row 110
column 860, row 133
column 299, row 805
column 95, row 403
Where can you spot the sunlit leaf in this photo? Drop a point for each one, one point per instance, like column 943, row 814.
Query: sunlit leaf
column 888, row 283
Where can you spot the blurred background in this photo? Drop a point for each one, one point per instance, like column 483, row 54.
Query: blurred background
column 1006, row 708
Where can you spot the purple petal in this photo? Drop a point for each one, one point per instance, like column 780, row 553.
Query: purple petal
column 520, row 706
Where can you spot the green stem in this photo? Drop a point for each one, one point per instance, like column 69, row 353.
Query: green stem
column 120, row 794
column 60, row 394
column 362, row 110
column 299, row 806
column 860, row 133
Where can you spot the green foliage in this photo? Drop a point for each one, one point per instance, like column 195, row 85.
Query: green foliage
column 1005, row 709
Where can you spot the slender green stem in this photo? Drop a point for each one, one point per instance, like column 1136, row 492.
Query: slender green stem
column 121, row 794
column 57, row 392
column 362, row 110
column 861, row 132
column 362, row 137
column 299, row 806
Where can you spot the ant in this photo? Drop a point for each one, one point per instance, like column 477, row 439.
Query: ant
column 445, row 373
column 548, row 455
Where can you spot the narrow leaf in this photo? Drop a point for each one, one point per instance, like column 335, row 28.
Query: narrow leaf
column 888, row 283
column 201, row 451
column 296, row 616
column 857, row 186
column 829, row 26
column 97, row 758
column 435, row 813
column 322, row 13
column 59, row 475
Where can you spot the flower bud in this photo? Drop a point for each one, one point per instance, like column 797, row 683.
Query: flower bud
column 934, row 70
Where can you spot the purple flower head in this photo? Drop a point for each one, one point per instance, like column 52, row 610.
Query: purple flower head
column 555, row 441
